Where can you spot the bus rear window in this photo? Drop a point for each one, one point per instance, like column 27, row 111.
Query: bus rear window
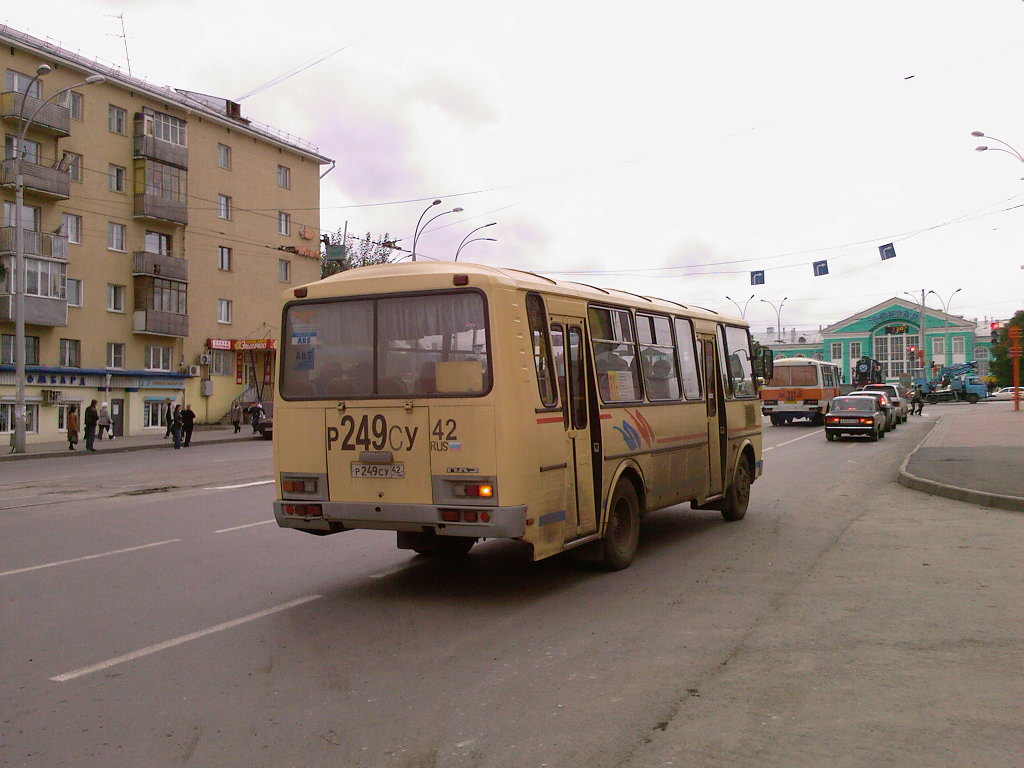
column 423, row 346
column 794, row 376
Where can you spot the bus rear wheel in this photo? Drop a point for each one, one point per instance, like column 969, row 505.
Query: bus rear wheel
column 623, row 531
column 737, row 496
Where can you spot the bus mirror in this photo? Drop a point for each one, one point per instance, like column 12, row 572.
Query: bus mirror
column 767, row 363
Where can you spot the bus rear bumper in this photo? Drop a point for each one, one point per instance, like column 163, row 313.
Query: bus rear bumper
column 447, row 520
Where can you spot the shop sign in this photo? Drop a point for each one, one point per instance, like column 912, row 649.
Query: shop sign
column 238, row 345
column 55, row 378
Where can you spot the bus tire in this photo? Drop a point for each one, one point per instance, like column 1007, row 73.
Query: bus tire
column 737, row 495
column 623, row 531
column 932, row 399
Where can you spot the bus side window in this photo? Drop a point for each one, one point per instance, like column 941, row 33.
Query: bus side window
column 688, row 359
column 558, row 350
column 658, row 356
column 541, row 349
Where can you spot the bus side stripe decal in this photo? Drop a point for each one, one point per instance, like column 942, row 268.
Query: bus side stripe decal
column 553, row 517
column 549, row 420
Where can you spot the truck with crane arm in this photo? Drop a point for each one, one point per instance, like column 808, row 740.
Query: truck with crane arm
column 953, row 382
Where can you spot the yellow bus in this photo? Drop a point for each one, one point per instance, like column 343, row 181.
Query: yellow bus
column 452, row 402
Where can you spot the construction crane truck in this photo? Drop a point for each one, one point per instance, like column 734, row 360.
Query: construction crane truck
column 954, row 382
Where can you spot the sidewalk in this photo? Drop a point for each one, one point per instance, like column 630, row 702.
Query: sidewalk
column 975, row 453
column 204, row 434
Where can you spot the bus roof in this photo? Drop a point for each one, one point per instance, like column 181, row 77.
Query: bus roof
column 364, row 280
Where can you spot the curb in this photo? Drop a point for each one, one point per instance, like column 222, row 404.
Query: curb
column 935, row 488
column 118, row 449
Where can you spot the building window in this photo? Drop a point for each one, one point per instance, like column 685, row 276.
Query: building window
column 115, row 298
column 117, row 120
column 284, row 176
column 21, row 83
column 45, row 278
column 220, row 363
column 957, row 345
column 284, row 223
column 223, row 310
column 159, row 358
column 70, row 353
column 224, row 258
column 73, row 162
column 30, row 216
column 115, row 355
column 170, row 296
column 158, row 242
column 75, row 103
column 166, row 128
column 284, row 270
column 31, row 350
column 7, row 417
column 116, row 235
column 223, row 207
column 118, row 177
column 73, row 291
column 224, row 156
column 855, row 353
column 166, row 182
column 73, row 227
column 153, row 414
column 837, row 350
column 33, row 149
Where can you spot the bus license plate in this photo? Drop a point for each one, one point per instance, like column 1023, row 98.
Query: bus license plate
column 379, row 470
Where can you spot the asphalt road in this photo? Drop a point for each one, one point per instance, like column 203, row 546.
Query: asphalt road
column 155, row 615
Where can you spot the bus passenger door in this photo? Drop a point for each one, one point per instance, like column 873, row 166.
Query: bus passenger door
column 570, row 354
column 716, row 417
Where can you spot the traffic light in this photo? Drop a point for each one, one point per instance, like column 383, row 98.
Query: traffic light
column 996, row 326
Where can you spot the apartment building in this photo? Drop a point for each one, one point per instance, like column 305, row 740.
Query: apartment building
column 160, row 227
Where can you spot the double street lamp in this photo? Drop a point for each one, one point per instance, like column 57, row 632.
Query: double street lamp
column 1010, row 150
column 19, row 280
column 743, row 312
column 778, row 315
column 466, row 241
column 420, row 230
column 945, row 324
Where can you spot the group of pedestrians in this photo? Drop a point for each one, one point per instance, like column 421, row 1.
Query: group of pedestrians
column 97, row 421
column 180, row 423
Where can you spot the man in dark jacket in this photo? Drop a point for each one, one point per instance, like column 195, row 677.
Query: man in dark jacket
column 92, row 417
column 188, row 420
column 168, row 415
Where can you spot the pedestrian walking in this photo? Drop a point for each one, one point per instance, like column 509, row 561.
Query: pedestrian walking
column 256, row 414
column 175, row 426
column 92, row 416
column 917, row 402
column 72, row 427
column 168, row 414
column 236, row 416
column 188, row 420
column 104, row 424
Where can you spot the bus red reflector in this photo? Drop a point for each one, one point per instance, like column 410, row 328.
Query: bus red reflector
column 460, row 279
column 485, row 517
column 300, row 293
column 450, row 515
column 304, row 510
column 469, row 516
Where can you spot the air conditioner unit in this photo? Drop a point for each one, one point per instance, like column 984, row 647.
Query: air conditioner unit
column 195, row 370
column 204, row 359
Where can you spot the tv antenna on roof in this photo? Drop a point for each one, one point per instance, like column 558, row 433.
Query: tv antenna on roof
column 123, row 36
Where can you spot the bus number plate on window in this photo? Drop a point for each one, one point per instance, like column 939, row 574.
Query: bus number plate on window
column 378, row 470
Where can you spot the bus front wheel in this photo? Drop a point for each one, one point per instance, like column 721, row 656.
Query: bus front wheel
column 623, row 531
column 738, row 494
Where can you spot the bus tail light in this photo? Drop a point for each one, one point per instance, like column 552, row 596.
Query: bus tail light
column 307, row 485
column 304, row 510
column 465, row 515
column 474, row 490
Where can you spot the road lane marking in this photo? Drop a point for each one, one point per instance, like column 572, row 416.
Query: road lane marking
column 802, row 437
column 87, row 557
column 240, row 485
column 179, row 640
column 240, row 527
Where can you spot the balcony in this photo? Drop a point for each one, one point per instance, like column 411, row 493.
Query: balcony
column 38, row 178
column 160, row 323
column 43, row 244
column 39, row 310
column 162, row 151
column 51, row 118
column 160, row 265
column 153, row 207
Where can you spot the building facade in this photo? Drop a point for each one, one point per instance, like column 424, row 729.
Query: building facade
column 160, row 227
column 890, row 332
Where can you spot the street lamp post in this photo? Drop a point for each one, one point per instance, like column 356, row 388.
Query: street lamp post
column 416, row 232
column 778, row 316
column 945, row 325
column 921, row 324
column 466, row 238
column 18, row 281
column 743, row 312
column 420, row 230
column 475, row 240
column 1010, row 150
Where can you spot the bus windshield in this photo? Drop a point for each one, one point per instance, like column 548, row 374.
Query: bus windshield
column 794, row 376
column 422, row 345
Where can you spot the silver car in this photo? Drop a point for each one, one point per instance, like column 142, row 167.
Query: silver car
column 900, row 400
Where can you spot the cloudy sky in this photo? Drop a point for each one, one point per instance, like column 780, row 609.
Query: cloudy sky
column 668, row 152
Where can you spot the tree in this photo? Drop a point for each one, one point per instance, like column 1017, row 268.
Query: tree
column 357, row 252
column 1001, row 365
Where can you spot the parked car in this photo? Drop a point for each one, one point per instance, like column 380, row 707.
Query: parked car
column 856, row 415
column 900, row 399
column 891, row 419
column 1006, row 393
